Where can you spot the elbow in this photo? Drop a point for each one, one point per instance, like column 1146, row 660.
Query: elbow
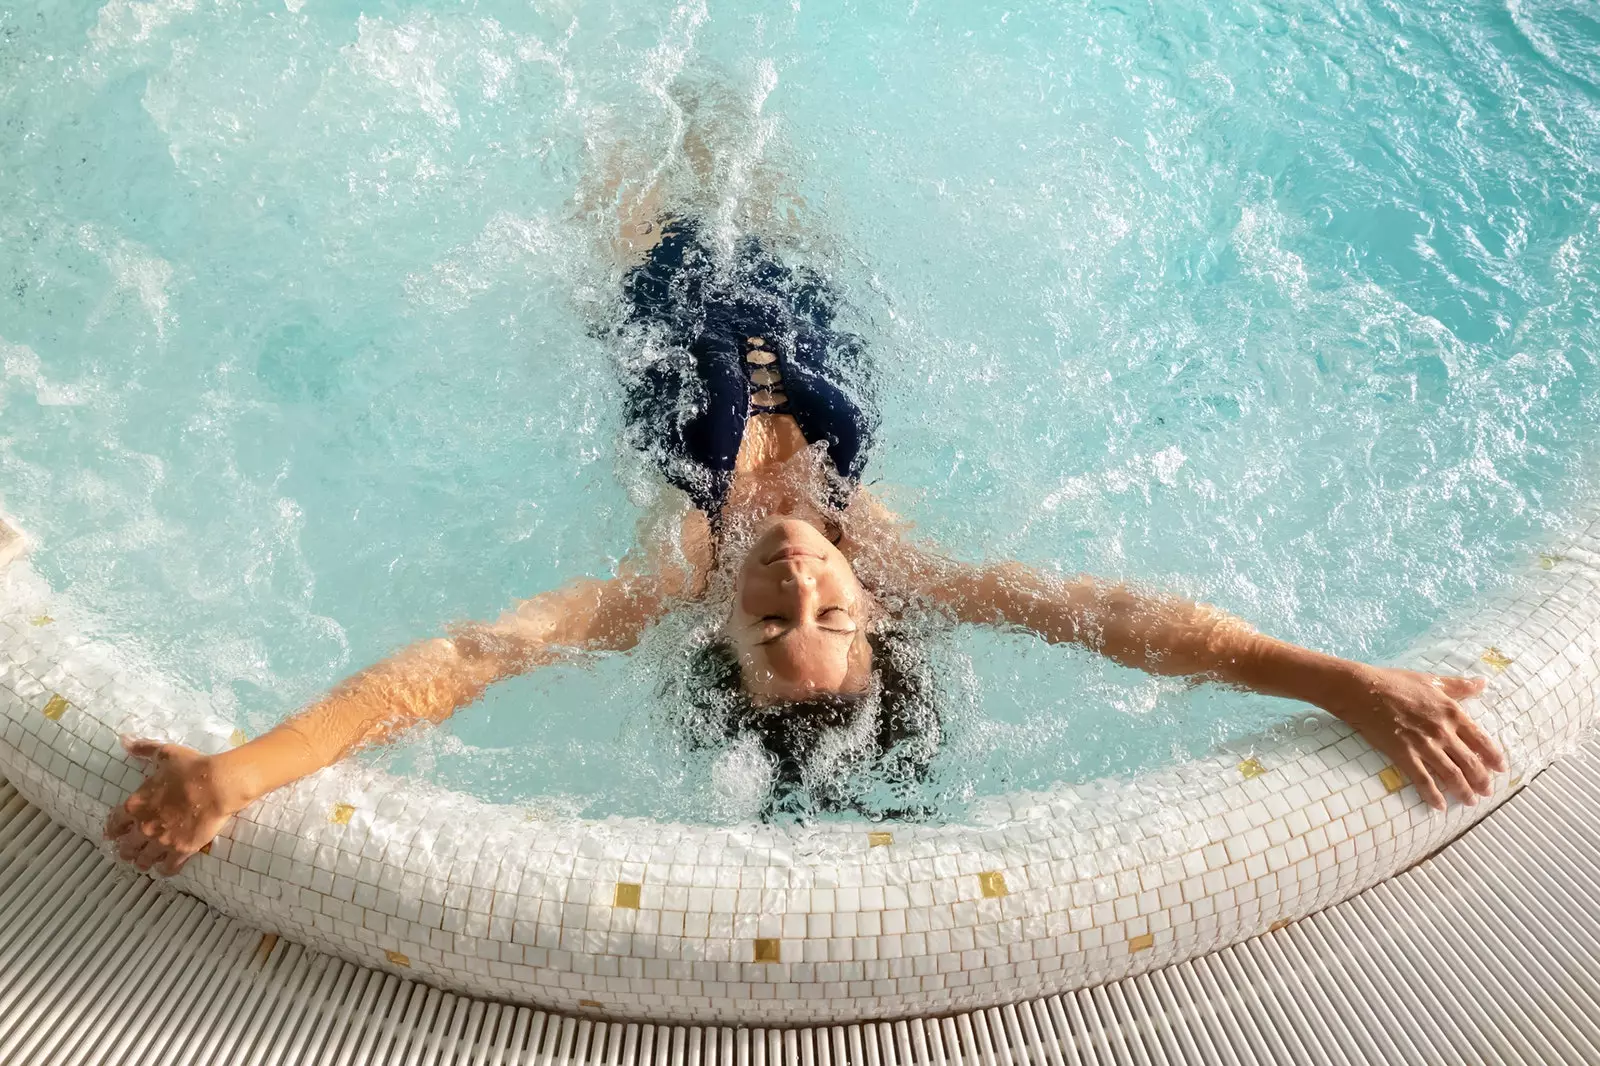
column 1112, row 625
column 482, row 652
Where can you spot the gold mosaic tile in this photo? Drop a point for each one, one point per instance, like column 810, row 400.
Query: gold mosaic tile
column 399, row 958
column 626, row 895
column 992, row 883
column 206, row 850
column 1281, row 923
column 594, row 1003
column 341, row 813
column 540, row 812
column 56, row 707
column 40, row 620
column 1548, row 562
column 237, row 737
column 1497, row 659
column 1251, row 769
column 768, row 949
column 1515, row 781
column 879, row 840
column 264, row 947
column 1141, row 942
column 1391, row 778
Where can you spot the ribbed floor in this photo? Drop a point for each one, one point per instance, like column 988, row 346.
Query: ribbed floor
column 1485, row 953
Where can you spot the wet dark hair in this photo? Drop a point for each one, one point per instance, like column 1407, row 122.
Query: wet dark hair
column 883, row 782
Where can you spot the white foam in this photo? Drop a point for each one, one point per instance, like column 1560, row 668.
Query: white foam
column 124, row 22
column 505, row 242
column 133, row 270
column 1258, row 240
column 20, row 367
column 406, row 57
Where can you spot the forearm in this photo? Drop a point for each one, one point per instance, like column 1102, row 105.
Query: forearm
column 426, row 682
column 1157, row 633
column 430, row 681
column 1413, row 718
column 1171, row 636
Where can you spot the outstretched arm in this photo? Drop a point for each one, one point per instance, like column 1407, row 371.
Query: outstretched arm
column 1414, row 718
column 189, row 796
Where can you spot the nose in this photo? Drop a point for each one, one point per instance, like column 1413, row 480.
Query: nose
column 797, row 579
column 795, row 569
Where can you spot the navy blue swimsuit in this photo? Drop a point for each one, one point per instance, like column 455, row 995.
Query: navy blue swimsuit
column 753, row 326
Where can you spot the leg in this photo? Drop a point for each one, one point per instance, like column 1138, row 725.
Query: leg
column 635, row 205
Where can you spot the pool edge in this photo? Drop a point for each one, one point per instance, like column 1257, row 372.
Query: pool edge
column 1101, row 899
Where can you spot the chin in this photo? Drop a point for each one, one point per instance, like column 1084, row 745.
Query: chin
column 786, row 531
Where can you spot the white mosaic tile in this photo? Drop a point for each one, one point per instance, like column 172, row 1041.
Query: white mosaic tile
column 1040, row 892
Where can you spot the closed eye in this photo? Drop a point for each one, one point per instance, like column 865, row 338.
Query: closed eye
column 824, row 629
column 824, row 613
column 829, row 621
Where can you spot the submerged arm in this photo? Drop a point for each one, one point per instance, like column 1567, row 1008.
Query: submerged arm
column 189, row 795
column 429, row 681
column 1413, row 718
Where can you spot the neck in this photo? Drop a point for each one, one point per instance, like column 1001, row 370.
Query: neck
column 754, row 510
column 777, row 474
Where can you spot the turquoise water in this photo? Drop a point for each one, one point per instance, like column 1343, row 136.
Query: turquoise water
column 1290, row 307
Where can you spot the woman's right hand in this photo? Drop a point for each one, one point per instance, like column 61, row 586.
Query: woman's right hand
column 177, row 811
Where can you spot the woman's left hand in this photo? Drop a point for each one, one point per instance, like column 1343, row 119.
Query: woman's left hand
column 1416, row 720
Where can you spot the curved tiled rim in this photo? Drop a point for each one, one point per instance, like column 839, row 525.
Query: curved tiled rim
column 1044, row 892
column 1480, row 953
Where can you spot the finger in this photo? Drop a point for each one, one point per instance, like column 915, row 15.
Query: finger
column 130, row 844
column 1423, row 781
column 1462, row 688
column 1470, row 765
column 117, row 823
column 151, row 857
column 1447, row 774
column 174, row 862
column 148, row 855
column 1474, row 737
column 140, row 748
column 163, row 864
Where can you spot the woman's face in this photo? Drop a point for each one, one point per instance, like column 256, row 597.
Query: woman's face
column 799, row 619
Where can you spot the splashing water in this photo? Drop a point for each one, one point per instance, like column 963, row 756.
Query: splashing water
column 1288, row 307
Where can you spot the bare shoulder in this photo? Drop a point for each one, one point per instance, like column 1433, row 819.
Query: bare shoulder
column 880, row 546
column 674, row 556
column 635, row 205
column 696, row 546
column 869, row 531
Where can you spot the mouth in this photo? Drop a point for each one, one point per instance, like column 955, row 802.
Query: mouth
column 790, row 552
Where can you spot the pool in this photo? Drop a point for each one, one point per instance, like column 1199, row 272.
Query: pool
column 299, row 367
column 1288, row 309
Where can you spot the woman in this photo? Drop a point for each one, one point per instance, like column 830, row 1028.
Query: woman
column 745, row 396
